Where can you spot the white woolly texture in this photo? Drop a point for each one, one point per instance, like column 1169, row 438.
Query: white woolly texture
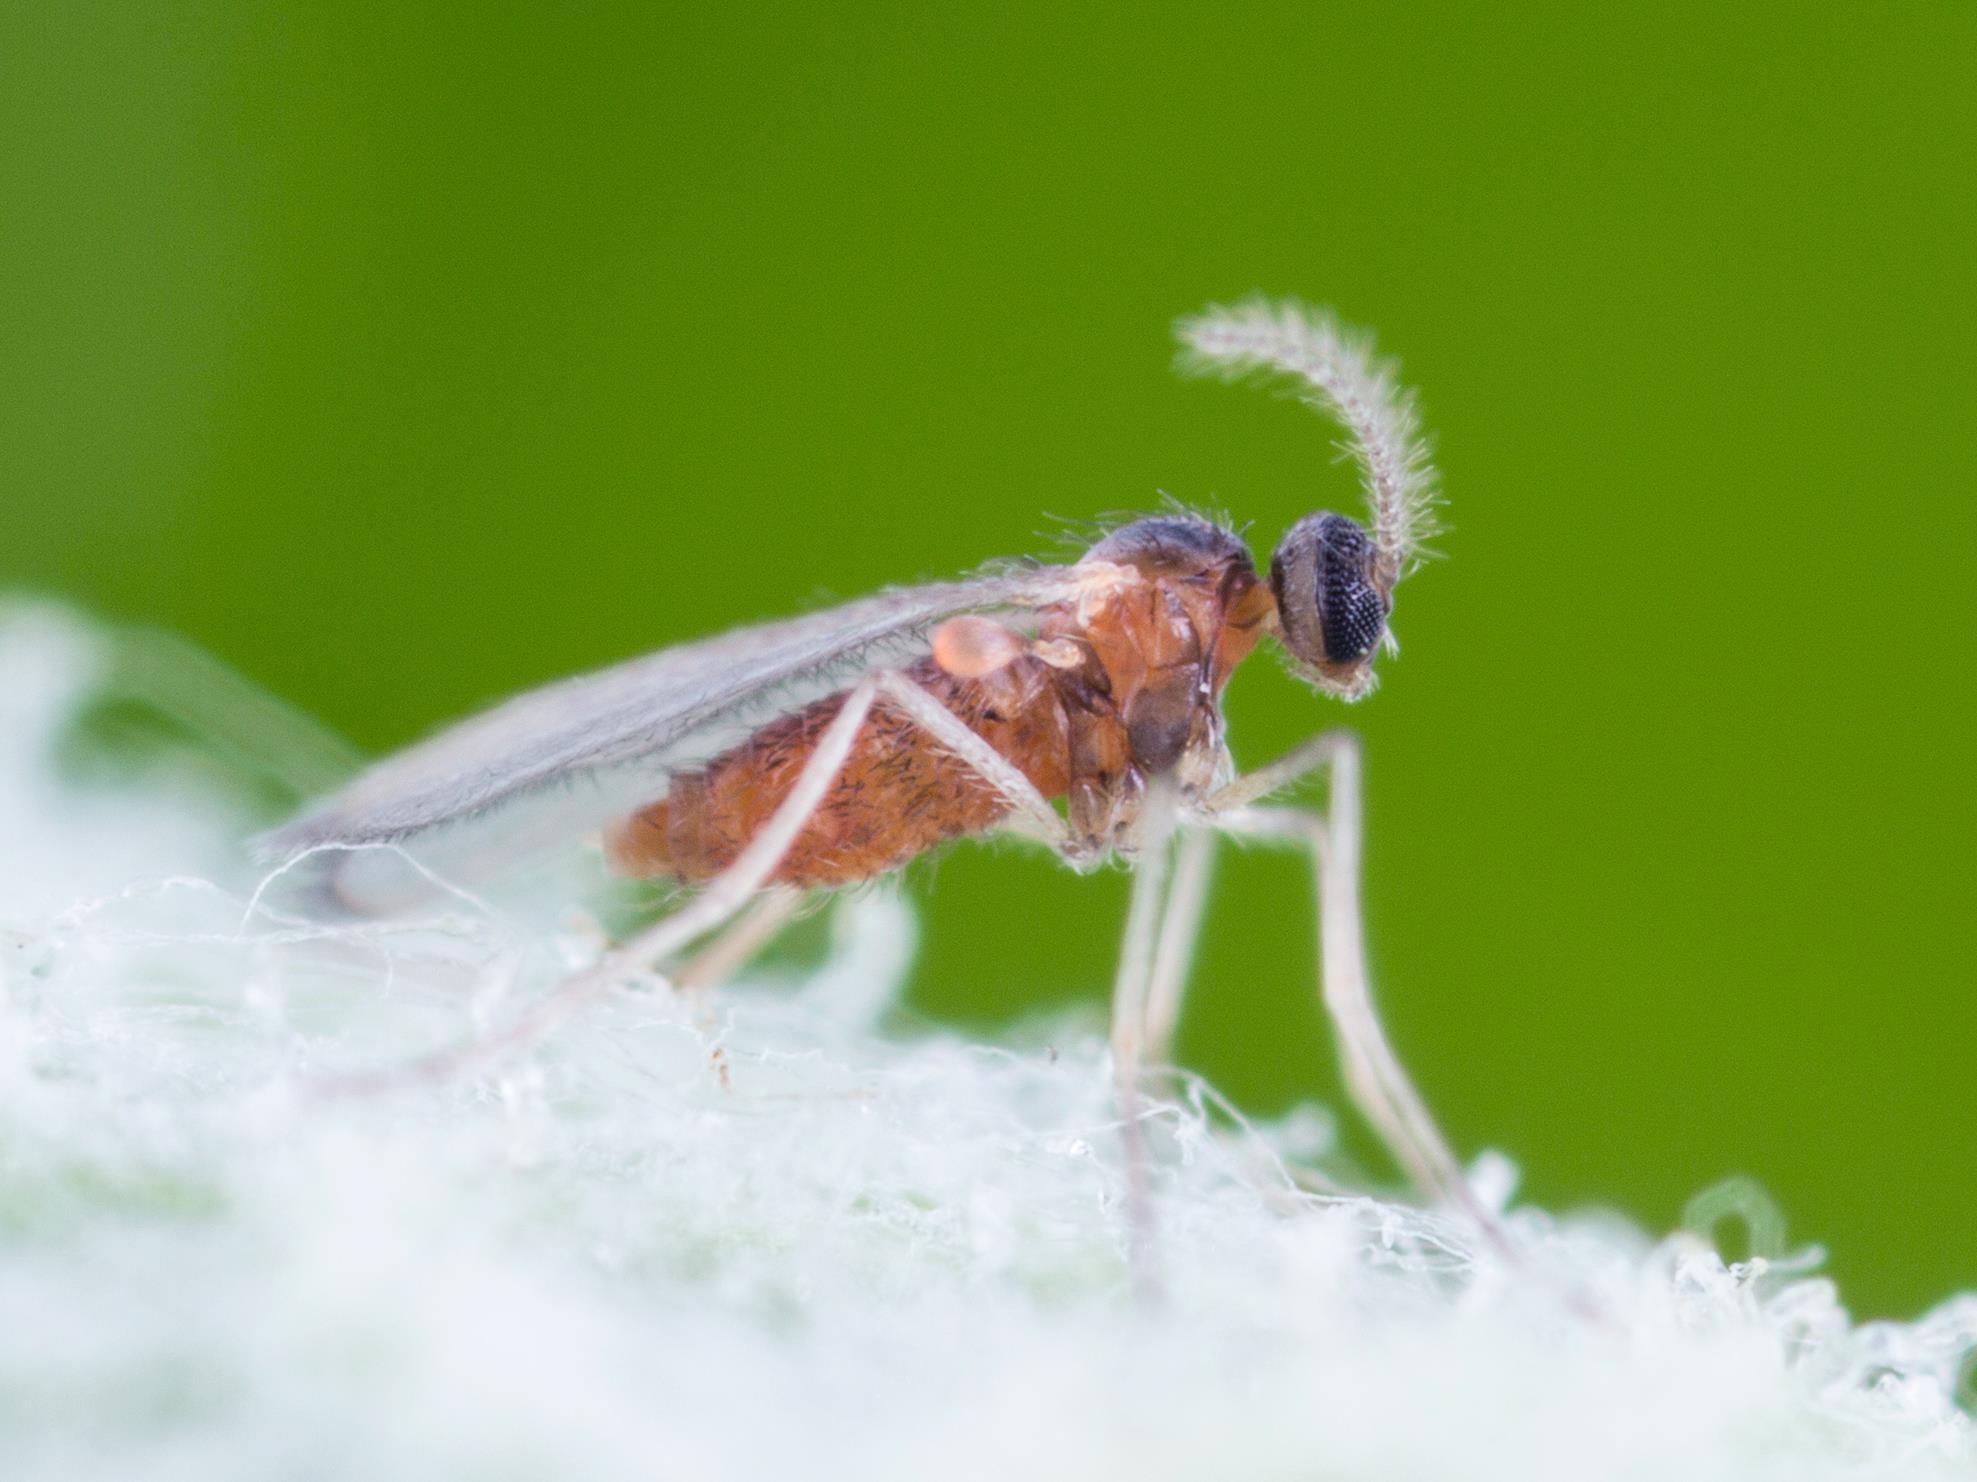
column 1334, row 370
column 760, row 1238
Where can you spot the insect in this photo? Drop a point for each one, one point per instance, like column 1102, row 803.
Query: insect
column 828, row 749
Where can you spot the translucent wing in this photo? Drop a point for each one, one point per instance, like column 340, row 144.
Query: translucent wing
column 607, row 741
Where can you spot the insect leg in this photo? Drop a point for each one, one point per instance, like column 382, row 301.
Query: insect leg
column 1299, row 762
column 1129, row 1005
column 1031, row 813
column 717, row 902
column 1374, row 1076
column 743, row 937
column 1180, row 929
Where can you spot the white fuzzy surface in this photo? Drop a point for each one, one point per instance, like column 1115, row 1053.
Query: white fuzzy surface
column 764, row 1241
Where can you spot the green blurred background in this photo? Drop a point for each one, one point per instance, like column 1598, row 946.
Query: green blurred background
column 406, row 355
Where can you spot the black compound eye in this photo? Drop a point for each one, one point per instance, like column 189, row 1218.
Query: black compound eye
column 1350, row 609
column 1322, row 575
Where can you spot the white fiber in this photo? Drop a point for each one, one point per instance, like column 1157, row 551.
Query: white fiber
column 757, row 1237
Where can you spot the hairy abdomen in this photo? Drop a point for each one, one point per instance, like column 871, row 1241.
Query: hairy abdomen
column 897, row 795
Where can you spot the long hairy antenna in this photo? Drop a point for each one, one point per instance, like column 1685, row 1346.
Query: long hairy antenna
column 1333, row 369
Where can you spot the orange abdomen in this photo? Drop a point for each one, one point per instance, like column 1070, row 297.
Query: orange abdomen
column 898, row 794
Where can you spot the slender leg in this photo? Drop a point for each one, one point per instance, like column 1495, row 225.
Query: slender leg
column 746, row 935
column 1294, row 765
column 1031, row 812
column 1180, row 929
column 1378, row 1084
column 1033, row 815
column 1133, row 981
column 723, row 896
column 1129, row 1000
column 734, row 887
column 1373, row 1072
